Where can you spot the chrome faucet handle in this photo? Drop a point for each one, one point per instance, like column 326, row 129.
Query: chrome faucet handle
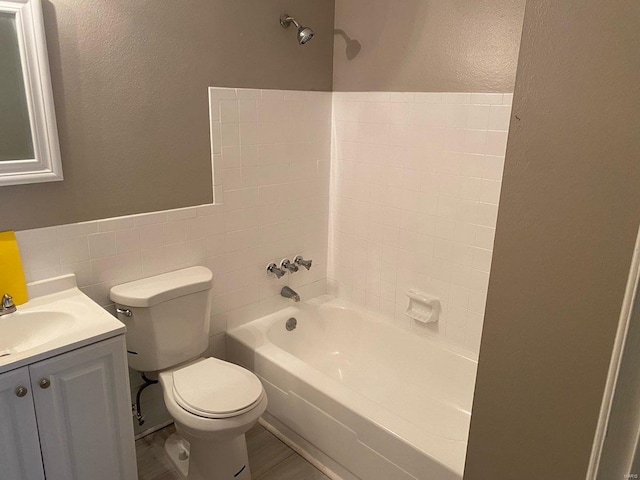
column 273, row 269
column 301, row 262
column 7, row 304
column 287, row 265
column 7, row 301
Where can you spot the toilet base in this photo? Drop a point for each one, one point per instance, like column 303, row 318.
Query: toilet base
column 226, row 460
column 177, row 449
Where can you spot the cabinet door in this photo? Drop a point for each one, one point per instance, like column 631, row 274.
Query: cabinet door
column 19, row 447
column 84, row 413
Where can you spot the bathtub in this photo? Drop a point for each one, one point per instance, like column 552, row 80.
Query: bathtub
column 366, row 398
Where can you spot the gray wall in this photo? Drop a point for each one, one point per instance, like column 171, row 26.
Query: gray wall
column 427, row 45
column 130, row 87
column 567, row 224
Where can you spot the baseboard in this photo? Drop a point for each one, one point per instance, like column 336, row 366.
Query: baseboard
column 153, row 429
column 283, row 433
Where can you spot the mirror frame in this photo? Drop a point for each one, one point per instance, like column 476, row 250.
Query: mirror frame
column 47, row 165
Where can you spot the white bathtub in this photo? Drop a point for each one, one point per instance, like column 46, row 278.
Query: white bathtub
column 372, row 400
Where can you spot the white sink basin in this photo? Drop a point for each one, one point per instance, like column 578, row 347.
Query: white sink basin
column 58, row 318
column 22, row 331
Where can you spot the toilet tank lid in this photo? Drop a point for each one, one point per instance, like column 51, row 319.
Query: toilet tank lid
column 160, row 288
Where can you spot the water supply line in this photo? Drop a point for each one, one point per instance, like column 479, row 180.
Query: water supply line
column 137, row 409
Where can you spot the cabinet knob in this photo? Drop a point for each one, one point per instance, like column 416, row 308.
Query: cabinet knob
column 44, row 383
column 21, row 391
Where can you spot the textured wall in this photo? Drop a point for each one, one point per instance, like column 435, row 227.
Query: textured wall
column 130, row 88
column 427, row 45
column 567, row 224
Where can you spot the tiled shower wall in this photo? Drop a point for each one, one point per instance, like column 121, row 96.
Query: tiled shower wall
column 415, row 181
column 274, row 149
column 415, row 184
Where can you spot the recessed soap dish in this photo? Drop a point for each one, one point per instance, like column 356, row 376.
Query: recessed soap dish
column 422, row 307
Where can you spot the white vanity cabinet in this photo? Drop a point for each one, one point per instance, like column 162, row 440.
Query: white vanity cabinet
column 19, row 444
column 73, row 422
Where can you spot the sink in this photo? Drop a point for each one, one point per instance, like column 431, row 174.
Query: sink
column 22, row 331
column 57, row 318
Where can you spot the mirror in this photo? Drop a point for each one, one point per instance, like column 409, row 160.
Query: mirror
column 29, row 149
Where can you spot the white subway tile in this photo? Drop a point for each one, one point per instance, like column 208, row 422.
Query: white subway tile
column 128, row 240
column 181, row 214
column 248, row 93
column 231, row 157
column 113, row 224
column 102, row 245
column 153, row 261
column 490, row 191
column 470, row 188
column 487, row 214
column 485, row 236
column 478, row 117
column 218, row 93
column 247, row 110
column 492, row 167
column 174, row 232
column 77, row 229
column 82, row 271
column 74, row 249
column 427, row 97
column 120, row 267
column 487, row 98
column 401, row 97
column 151, row 235
column 457, row 97
column 248, row 134
column 496, row 143
column 499, row 117
column 229, row 111
column 42, row 256
column 150, row 219
column 229, row 135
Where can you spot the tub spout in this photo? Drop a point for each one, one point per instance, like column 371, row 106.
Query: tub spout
column 287, row 292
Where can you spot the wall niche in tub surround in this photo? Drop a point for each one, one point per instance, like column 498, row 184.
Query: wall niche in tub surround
column 415, row 185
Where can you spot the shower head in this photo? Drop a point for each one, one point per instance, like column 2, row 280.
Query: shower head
column 304, row 33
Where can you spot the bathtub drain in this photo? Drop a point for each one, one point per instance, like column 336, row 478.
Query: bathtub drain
column 291, row 324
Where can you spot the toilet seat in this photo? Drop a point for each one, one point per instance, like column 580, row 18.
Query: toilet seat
column 212, row 388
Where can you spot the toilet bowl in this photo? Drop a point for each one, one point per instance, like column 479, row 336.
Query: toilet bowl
column 213, row 403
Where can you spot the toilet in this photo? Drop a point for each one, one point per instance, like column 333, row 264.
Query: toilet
column 213, row 403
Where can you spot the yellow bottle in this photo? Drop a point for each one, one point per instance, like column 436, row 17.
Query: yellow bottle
column 12, row 279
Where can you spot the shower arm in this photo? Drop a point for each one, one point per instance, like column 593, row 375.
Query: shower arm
column 286, row 20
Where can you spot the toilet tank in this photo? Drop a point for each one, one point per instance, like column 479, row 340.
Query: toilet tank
column 169, row 321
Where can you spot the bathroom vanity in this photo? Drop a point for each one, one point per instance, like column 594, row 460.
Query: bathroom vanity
column 64, row 389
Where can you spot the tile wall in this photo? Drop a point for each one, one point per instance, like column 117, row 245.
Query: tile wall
column 271, row 156
column 273, row 149
column 415, row 184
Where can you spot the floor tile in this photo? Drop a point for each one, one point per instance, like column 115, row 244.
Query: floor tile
column 265, row 450
column 293, row 468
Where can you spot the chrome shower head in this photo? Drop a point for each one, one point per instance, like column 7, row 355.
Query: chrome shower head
column 304, row 33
